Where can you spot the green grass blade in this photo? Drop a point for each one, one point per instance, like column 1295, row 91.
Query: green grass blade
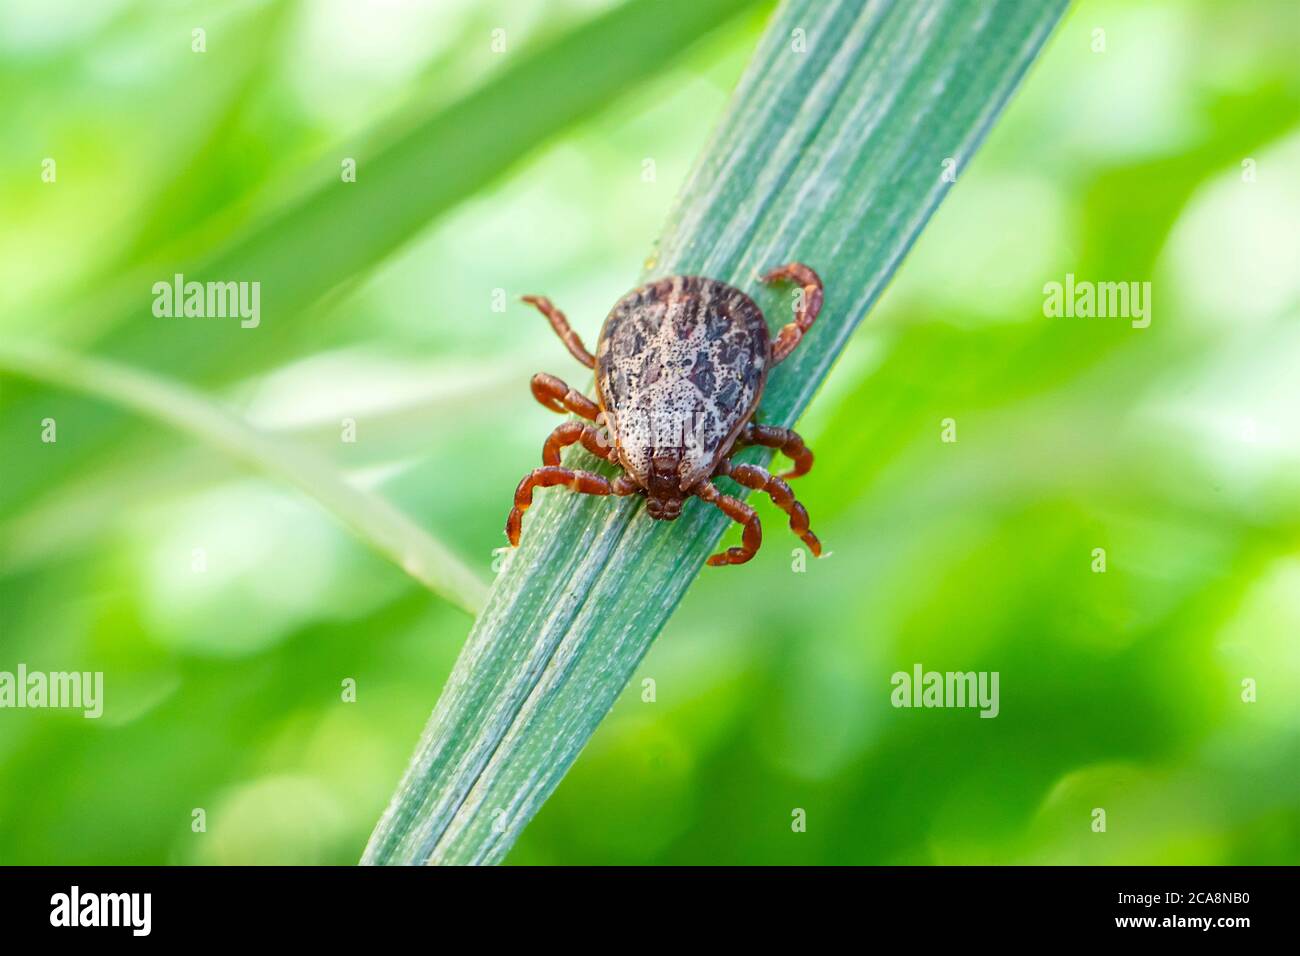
column 834, row 157
column 375, row 521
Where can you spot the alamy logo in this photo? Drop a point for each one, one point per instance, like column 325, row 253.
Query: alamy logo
column 923, row 688
column 209, row 300
column 1102, row 300
column 74, row 690
column 102, row 909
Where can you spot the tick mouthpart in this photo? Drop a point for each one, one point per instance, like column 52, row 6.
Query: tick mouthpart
column 663, row 509
column 663, row 479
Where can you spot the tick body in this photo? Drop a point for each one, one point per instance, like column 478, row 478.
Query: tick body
column 680, row 368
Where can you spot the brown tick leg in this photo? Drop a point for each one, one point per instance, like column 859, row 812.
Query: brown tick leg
column 570, row 433
column 583, row 482
column 562, row 329
column 737, row 511
column 558, row 397
column 784, row 440
column 808, row 308
column 752, row 476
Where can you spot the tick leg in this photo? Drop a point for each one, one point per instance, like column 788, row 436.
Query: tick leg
column 737, row 511
column 558, row 397
column 809, row 306
column 583, row 482
column 752, row 476
column 562, row 329
column 570, row 433
column 784, row 440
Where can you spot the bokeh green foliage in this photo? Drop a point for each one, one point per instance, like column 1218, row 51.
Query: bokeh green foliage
column 1175, row 448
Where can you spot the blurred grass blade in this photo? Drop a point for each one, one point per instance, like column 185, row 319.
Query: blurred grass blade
column 338, row 231
column 375, row 521
column 834, row 157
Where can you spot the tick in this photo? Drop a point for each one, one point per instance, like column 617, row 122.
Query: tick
column 680, row 368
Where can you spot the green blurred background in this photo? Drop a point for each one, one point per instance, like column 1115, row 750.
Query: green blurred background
column 1175, row 448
